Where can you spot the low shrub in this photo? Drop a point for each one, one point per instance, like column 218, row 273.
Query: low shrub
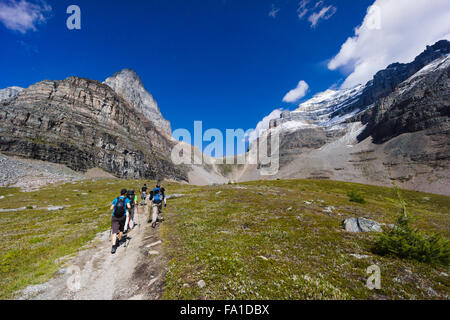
column 405, row 242
column 355, row 196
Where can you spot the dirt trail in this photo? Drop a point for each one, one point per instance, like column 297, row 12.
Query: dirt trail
column 136, row 271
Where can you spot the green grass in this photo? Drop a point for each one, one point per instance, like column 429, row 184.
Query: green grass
column 273, row 240
column 255, row 240
column 34, row 238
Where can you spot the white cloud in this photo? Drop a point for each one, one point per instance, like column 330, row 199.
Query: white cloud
column 263, row 125
column 22, row 15
column 325, row 13
column 392, row 31
column 318, row 4
column 296, row 94
column 302, row 9
column 273, row 13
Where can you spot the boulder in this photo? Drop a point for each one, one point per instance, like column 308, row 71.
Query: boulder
column 361, row 225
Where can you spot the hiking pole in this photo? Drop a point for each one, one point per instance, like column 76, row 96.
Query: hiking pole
column 127, row 243
column 137, row 216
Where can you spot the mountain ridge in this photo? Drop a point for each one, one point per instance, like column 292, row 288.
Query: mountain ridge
column 83, row 124
column 402, row 136
column 117, row 126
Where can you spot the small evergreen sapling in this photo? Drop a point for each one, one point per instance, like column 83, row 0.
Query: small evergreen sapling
column 405, row 242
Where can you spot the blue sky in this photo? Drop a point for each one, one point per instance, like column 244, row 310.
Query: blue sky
column 228, row 63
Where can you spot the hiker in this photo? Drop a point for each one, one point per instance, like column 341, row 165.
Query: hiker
column 144, row 194
column 157, row 198
column 119, row 217
column 129, row 224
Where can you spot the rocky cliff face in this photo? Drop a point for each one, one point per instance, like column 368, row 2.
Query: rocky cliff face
column 129, row 86
column 84, row 124
column 421, row 102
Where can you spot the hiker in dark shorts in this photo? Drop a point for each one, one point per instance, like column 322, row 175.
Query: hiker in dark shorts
column 120, row 207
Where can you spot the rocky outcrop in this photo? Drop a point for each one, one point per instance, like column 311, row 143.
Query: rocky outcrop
column 421, row 102
column 85, row 124
column 129, row 86
column 294, row 143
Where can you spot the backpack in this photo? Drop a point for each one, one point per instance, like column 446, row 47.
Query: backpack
column 131, row 197
column 157, row 197
column 119, row 209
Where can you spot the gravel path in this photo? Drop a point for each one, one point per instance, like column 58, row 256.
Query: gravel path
column 135, row 272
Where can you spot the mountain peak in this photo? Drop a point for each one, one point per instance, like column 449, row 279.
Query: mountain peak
column 129, row 85
column 127, row 73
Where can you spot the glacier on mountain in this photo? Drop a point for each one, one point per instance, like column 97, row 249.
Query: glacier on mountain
column 320, row 111
column 10, row 92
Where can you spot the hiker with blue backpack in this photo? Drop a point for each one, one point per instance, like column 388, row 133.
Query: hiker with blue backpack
column 120, row 207
column 157, row 197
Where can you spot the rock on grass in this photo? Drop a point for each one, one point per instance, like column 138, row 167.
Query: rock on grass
column 361, row 225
